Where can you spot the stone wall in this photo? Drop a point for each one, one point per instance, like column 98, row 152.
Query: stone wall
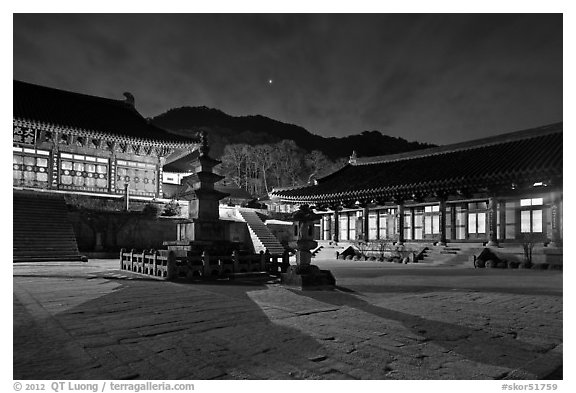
column 115, row 231
column 237, row 232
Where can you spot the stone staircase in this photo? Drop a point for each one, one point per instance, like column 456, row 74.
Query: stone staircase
column 41, row 230
column 459, row 255
column 262, row 237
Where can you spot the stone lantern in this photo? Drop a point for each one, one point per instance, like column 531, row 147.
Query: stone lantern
column 304, row 218
column 304, row 274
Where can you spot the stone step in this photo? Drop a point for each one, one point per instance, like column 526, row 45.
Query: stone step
column 48, row 258
column 260, row 233
column 40, row 250
column 41, row 229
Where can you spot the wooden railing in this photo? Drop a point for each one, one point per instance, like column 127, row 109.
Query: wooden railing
column 170, row 265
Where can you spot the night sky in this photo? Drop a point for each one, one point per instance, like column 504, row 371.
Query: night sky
column 431, row 78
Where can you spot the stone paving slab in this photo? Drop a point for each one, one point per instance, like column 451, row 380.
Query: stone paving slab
column 91, row 321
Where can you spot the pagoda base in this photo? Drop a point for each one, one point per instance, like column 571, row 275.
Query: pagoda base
column 201, row 230
column 308, row 277
column 196, row 236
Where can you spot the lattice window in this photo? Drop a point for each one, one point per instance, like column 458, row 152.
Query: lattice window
column 477, row 218
column 383, row 224
column 80, row 172
column 460, row 222
column 326, row 226
column 418, row 223
column 352, row 219
column 408, row 224
column 432, row 219
column 531, row 215
column 30, row 167
column 373, row 225
column 343, row 226
column 140, row 177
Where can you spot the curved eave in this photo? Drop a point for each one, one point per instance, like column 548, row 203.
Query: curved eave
column 107, row 135
column 515, row 136
column 444, row 185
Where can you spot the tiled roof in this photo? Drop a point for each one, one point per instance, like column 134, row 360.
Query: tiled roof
column 233, row 192
column 529, row 155
column 181, row 163
column 83, row 112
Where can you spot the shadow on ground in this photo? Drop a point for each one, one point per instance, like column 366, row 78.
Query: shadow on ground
column 158, row 330
column 476, row 344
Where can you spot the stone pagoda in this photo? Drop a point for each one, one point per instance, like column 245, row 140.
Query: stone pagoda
column 203, row 230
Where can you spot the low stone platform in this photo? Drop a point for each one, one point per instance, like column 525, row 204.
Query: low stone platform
column 308, row 277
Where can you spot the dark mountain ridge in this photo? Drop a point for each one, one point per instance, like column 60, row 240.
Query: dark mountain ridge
column 224, row 129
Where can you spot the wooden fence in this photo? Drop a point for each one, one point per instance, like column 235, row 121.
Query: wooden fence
column 170, row 265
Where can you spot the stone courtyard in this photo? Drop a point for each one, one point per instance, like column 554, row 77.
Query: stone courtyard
column 91, row 320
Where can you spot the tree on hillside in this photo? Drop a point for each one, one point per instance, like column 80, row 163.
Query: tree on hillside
column 258, row 169
column 264, row 156
column 291, row 161
column 318, row 164
column 233, row 160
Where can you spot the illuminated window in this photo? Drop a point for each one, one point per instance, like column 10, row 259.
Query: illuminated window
column 460, row 222
column 373, row 225
column 476, row 222
column 432, row 219
column 531, row 215
column 407, row 224
column 30, row 167
column 140, row 177
column 80, row 172
column 343, row 226
column 418, row 223
column 385, row 216
column 352, row 226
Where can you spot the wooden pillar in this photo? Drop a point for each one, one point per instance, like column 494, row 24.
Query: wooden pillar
column 555, row 217
column 127, row 196
column 492, row 231
column 442, row 219
column 336, row 232
column 366, row 223
column 502, row 216
column 401, row 223
column 412, row 223
column 377, row 224
column 453, row 222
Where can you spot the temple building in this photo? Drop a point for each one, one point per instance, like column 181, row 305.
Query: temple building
column 73, row 142
column 493, row 191
column 70, row 144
